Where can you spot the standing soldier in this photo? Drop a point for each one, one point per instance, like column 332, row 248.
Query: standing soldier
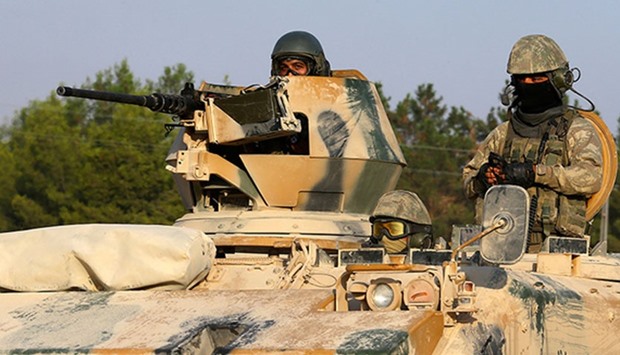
column 545, row 146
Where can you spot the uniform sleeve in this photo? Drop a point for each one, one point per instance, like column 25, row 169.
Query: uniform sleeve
column 583, row 175
column 493, row 143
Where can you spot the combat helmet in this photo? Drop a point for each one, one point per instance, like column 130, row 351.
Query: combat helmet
column 534, row 54
column 301, row 44
column 407, row 207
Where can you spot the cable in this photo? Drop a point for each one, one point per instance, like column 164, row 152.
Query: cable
column 592, row 107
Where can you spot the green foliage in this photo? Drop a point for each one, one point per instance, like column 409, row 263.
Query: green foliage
column 436, row 141
column 8, row 191
column 79, row 161
column 172, row 80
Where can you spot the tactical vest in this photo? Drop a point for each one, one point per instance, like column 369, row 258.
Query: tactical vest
column 555, row 213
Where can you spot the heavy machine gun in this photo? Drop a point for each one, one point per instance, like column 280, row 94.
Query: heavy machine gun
column 230, row 115
column 182, row 105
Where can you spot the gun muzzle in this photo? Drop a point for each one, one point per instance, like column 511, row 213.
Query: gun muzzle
column 64, row 91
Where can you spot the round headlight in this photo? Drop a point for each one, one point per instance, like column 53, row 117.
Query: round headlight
column 382, row 296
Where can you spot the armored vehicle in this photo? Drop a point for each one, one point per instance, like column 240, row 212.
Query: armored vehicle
column 279, row 182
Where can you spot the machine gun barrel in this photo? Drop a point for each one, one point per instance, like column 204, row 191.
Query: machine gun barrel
column 181, row 105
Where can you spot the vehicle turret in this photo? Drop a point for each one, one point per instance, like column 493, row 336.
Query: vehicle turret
column 312, row 155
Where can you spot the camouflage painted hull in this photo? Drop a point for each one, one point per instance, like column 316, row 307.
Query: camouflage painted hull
column 519, row 312
column 199, row 322
column 524, row 312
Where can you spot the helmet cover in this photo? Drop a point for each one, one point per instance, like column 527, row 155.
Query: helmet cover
column 404, row 205
column 535, row 54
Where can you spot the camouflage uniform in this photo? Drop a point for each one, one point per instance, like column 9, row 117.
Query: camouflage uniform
column 569, row 169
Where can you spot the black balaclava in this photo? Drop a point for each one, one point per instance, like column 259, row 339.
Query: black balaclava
column 537, row 103
column 538, row 97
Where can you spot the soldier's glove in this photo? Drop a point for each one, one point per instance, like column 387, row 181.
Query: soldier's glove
column 496, row 161
column 481, row 184
column 521, row 174
column 495, row 167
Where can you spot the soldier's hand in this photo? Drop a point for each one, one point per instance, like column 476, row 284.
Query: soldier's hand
column 490, row 173
column 495, row 175
column 521, row 174
column 488, row 176
column 496, row 160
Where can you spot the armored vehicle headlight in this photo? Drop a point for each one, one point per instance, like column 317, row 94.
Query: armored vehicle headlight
column 384, row 296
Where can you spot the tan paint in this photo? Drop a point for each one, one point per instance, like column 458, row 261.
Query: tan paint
column 427, row 333
column 282, row 242
column 610, row 164
column 348, row 73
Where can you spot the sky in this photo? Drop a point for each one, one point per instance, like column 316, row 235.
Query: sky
column 461, row 47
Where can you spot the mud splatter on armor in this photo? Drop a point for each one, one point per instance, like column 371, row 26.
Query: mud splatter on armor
column 241, row 324
column 375, row 341
column 362, row 102
column 550, row 302
column 51, row 322
column 334, row 132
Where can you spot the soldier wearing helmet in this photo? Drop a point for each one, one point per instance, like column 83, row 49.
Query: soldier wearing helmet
column 296, row 53
column 401, row 220
column 545, row 146
column 299, row 53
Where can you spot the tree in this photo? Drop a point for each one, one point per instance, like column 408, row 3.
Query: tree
column 172, row 81
column 436, row 141
column 47, row 153
column 7, row 181
column 79, row 161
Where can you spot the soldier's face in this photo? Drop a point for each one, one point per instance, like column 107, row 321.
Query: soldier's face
column 532, row 79
column 292, row 67
column 536, row 93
